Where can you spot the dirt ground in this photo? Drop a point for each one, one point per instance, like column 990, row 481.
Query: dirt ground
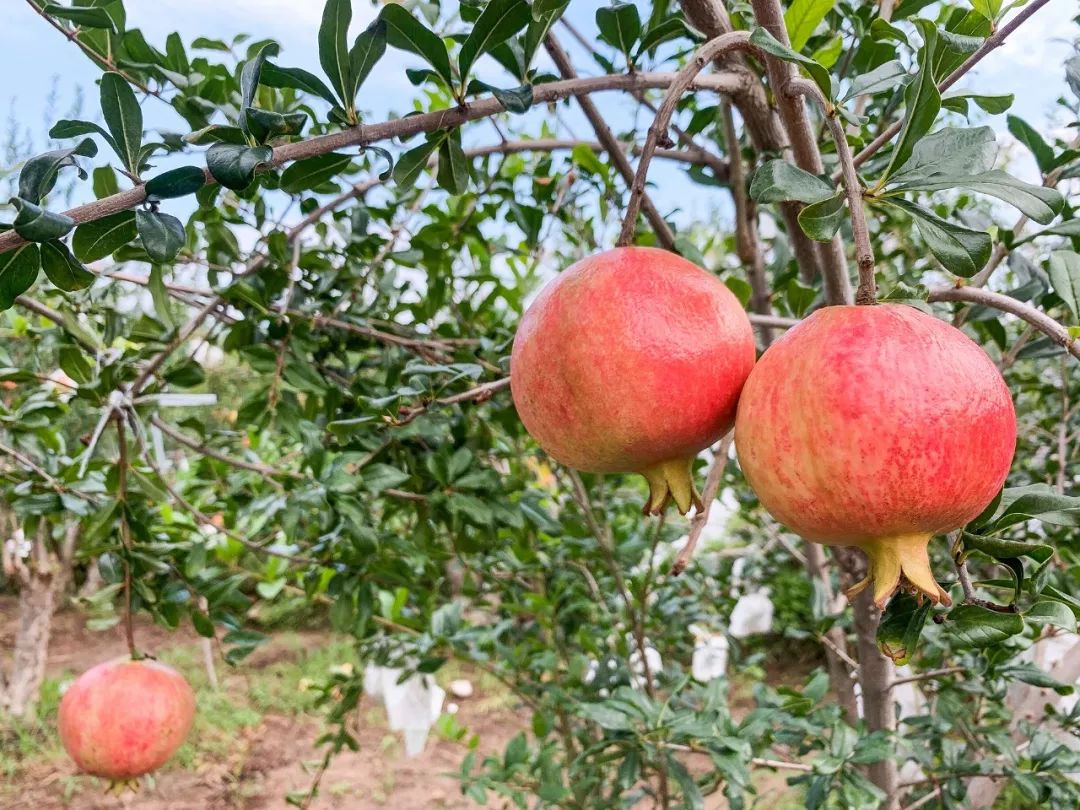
column 264, row 762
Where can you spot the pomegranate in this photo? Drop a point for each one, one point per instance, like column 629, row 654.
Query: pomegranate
column 123, row 718
column 877, row 427
column 632, row 361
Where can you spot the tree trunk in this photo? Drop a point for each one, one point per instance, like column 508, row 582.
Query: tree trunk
column 875, row 676
column 37, row 598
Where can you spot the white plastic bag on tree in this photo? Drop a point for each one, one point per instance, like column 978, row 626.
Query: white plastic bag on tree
column 652, row 659
column 412, row 706
column 752, row 615
column 710, row 657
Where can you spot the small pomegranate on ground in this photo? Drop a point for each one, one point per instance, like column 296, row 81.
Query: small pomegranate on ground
column 632, row 361
column 877, row 427
column 124, row 718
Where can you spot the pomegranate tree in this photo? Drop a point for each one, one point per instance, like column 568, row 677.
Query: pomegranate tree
column 877, row 427
column 632, row 361
column 123, row 718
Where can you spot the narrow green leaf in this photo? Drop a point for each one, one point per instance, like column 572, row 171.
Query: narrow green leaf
column 38, row 175
column 408, row 167
column 499, row 21
column 1055, row 613
column 366, row 51
column 123, row 117
column 1065, row 279
column 18, row 272
column 960, row 250
column 252, row 70
column 666, row 29
column 779, row 181
column 620, row 26
column 82, row 17
column 99, row 238
column 73, row 128
column 176, row 183
column 162, row 235
column 958, row 102
column 545, row 14
column 803, row 17
column 1029, row 137
column 949, row 151
column 160, row 295
column 36, row 224
column 922, row 101
column 314, row 171
column 988, row 8
column 263, row 125
column 297, row 79
column 334, row 48
column 63, row 269
column 234, row 166
column 1040, row 203
column 821, row 220
column 900, row 627
column 980, row 627
column 884, row 77
column 515, row 99
column 407, row 33
column 453, row 171
column 768, row 43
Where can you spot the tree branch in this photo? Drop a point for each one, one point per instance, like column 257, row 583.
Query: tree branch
column 202, row 449
column 366, row 134
column 864, row 252
column 611, row 145
column 725, row 43
column 708, row 496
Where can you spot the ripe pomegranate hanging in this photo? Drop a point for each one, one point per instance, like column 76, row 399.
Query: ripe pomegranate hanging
column 632, row 361
column 123, row 718
column 877, row 427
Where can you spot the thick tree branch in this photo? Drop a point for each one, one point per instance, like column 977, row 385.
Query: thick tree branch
column 725, row 43
column 864, row 252
column 992, row 42
column 611, row 144
column 832, row 262
column 364, row 135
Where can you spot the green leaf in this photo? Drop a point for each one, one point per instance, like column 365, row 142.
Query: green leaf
column 334, row 48
column 1001, row 549
column 84, row 17
column 408, row 167
column 779, row 181
column 38, row 175
column 1039, row 203
column 263, row 125
column 900, row 627
column 768, row 43
column 123, row 117
column 160, row 295
column 453, row 171
column 249, row 78
column 803, row 17
column 960, row 250
column 378, row 477
column 669, row 28
column 18, row 272
column 1055, row 613
column 949, row 151
column 234, row 166
column 1041, row 504
column 366, row 51
column 1029, row 673
column 162, row 235
column 99, row 238
column 995, row 105
column 499, row 21
column 977, row 626
column 606, row 716
column 407, row 33
column 884, row 77
column 693, row 799
column 922, row 101
column 1029, row 137
column 35, row 224
column 545, row 14
column 63, row 269
column 75, row 364
column 821, row 220
column 1065, row 278
column 620, row 25
column 515, row 100
column 73, row 128
column 312, row 172
column 297, row 79
column 178, row 182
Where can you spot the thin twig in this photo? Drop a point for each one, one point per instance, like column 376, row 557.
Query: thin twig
column 928, row 675
column 657, row 135
column 36, row 468
column 202, row 449
column 708, row 497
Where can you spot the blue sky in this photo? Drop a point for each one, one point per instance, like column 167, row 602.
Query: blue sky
column 32, row 54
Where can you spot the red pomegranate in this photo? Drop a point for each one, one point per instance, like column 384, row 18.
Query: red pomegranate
column 632, row 361
column 877, row 427
column 124, row 718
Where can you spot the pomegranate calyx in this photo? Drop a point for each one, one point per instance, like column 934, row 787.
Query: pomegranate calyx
column 671, row 480
column 896, row 562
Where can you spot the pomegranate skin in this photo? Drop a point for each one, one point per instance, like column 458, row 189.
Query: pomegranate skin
column 878, row 427
column 124, row 718
column 632, row 360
